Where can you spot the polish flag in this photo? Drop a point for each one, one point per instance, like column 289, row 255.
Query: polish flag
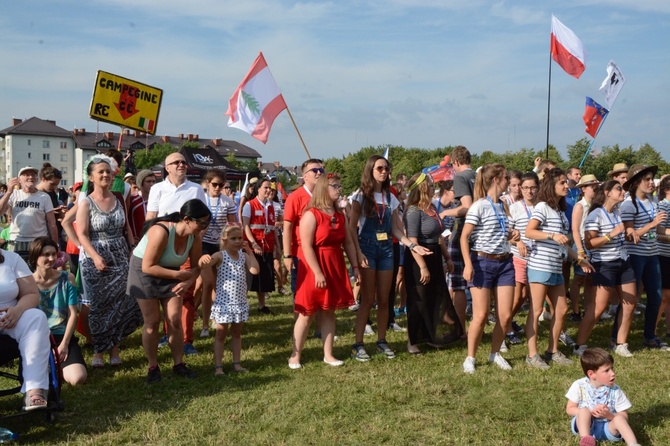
column 256, row 102
column 566, row 49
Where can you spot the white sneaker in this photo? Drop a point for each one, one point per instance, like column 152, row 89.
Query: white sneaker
column 395, row 327
column 469, row 365
column 622, row 350
column 354, row 307
column 605, row 316
column 503, row 347
column 545, row 316
column 368, row 330
column 579, row 351
column 204, row 333
column 498, row 360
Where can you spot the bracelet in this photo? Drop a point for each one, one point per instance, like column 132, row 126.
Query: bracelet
column 550, row 235
column 412, row 246
column 355, row 267
column 607, row 236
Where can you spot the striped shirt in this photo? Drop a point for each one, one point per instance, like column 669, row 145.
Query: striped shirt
column 490, row 227
column 547, row 255
column 603, row 223
column 520, row 213
column 221, row 207
column 641, row 216
column 664, row 247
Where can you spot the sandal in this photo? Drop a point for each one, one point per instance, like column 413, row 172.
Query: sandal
column 237, row 368
column 97, row 363
column 35, row 400
column 218, row 370
column 115, row 361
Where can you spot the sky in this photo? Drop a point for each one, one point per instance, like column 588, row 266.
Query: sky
column 412, row 73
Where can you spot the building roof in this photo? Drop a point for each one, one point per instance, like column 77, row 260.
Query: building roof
column 35, row 126
column 137, row 140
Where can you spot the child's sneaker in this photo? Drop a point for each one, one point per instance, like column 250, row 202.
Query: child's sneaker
column 384, row 349
column 557, row 357
column 469, row 365
column 587, row 441
column 358, row 353
column 579, row 350
column 498, row 360
column 537, row 362
column 622, row 350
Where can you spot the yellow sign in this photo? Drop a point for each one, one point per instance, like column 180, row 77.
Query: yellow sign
column 128, row 103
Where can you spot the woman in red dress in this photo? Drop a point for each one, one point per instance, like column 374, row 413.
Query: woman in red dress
column 324, row 285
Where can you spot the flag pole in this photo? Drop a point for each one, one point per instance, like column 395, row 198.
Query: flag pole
column 548, row 105
column 594, row 140
column 298, row 131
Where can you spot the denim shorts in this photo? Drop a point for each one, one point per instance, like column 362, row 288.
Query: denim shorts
column 545, row 278
column 490, row 273
column 379, row 253
column 599, row 430
column 613, row 273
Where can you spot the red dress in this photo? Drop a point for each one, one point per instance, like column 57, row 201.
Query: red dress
column 328, row 240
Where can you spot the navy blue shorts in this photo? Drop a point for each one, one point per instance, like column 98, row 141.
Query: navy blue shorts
column 613, row 273
column 491, row 273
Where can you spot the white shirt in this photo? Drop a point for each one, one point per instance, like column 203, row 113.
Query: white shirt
column 389, row 205
column 166, row 198
column 11, row 269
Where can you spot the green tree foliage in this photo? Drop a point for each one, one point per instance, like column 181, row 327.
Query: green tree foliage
column 248, row 165
column 146, row 159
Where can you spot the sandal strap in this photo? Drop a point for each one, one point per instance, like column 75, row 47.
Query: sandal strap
column 218, row 367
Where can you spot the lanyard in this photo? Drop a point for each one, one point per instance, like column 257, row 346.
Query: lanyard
column 523, row 201
column 435, row 216
column 651, row 214
column 382, row 213
column 501, row 219
column 216, row 211
column 614, row 223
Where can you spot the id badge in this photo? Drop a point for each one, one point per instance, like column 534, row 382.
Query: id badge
column 507, row 248
column 651, row 235
column 382, row 236
column 624, row 253
column 563, row 252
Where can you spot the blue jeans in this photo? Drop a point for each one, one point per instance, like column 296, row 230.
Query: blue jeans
column 648, row 273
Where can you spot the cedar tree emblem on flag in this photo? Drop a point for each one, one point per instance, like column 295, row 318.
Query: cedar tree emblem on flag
column 566, row 49
column 593, row 116
column 256, row 102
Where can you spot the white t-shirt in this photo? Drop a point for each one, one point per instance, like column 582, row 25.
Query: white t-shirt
column 29, row 215
column 14, row 267
column 221, row 207
column 520, row 213
column 166, row 198
column 548, row 255
column 385, row 204
column 645, row 213
column 603, row 223
column 489, row 234
column 586, row 395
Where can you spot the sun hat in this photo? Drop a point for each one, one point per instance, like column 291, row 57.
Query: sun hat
column 618, row 168
column 128, row 175
column 637, row 171
column 142, row 175
column 587, row 180
column 28, row 169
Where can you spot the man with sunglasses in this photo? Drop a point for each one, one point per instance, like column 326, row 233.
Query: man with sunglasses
column 164, row 198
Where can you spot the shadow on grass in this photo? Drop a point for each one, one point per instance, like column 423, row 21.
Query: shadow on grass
column 656, row 416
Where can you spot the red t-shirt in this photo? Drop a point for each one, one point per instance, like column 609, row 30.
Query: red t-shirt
column 293, row 209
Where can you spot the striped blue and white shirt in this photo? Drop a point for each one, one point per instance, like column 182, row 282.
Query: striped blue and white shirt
column 641, row 216
column 520, row 213
column 548, row 255
column 604, row 222
column 664, row 247
column 490, row 227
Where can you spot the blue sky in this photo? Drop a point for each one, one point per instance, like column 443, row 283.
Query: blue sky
column 415, row 73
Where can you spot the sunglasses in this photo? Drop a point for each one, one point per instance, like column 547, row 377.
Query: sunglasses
column 382, row 168
column 316, row 170
column 218, row 185
column 178, row 162
column 333, row 221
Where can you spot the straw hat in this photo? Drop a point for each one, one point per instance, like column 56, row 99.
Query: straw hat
column 587, row 180
column 618, row 168
column 637, row 171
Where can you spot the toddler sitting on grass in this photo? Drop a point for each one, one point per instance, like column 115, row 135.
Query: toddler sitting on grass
column 597, row 405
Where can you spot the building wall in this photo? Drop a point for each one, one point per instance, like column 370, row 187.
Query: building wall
column 34, row 150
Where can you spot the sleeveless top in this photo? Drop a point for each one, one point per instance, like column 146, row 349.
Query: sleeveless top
column 169, row 258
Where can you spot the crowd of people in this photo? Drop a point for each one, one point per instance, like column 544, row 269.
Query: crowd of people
column 146, row 252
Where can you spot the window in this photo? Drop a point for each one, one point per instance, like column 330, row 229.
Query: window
column 63, row 144
column 63, row 157
column 63, row 182
column 103, row 143
column 137, row 145
column 28, row 142
column 63, row 170
column 45, row 144
column 29, row 155
column 46, row 156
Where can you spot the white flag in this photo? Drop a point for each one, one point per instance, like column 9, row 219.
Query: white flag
column 612, row 84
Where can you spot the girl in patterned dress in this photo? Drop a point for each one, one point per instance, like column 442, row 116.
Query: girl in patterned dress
column 230, row 304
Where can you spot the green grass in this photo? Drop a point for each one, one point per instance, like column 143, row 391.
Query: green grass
column 408, row 400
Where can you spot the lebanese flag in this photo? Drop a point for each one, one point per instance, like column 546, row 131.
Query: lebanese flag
column 593, row 116
column 566, row 49
column 256, row 102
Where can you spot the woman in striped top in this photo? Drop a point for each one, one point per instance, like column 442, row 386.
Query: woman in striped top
column 488, row 265
column 640, row 220
column 663, row 231
column 604, row 238
column 549, row 228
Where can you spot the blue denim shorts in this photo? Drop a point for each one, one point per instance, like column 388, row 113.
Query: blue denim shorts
column 379, row 253
column 613, row 273
column 490, row 273
column 599, row 430
column 545, row 278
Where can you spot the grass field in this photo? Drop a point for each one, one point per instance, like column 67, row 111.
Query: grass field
column 425, row 399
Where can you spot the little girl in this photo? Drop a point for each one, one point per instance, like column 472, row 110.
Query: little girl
column 230, row 304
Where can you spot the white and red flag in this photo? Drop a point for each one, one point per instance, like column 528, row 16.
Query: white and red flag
column 256, row 102
column 566, row 49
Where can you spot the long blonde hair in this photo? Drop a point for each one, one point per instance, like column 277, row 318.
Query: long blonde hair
column 419, row 195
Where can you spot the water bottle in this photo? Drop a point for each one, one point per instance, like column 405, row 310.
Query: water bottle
column 7, row 436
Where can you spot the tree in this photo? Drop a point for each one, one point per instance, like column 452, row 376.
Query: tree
column 146, row 159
